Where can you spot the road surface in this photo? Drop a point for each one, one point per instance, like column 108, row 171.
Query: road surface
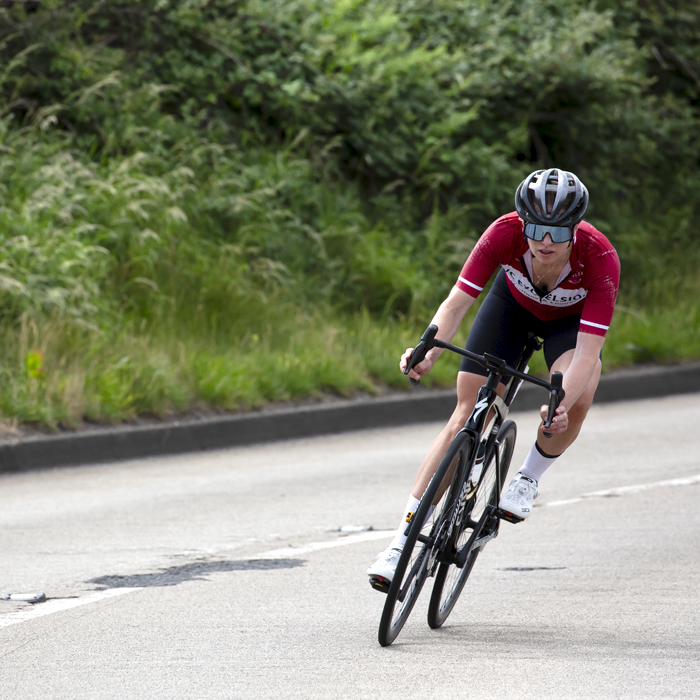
column 224, row 575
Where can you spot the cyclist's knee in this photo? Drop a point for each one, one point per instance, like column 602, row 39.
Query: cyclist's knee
column 468, row 386
column 460, row 415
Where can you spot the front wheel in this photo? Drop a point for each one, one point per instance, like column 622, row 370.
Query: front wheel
column 478, row 527
column 418, row 559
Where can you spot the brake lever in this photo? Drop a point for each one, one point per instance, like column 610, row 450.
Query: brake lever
column 421, row 350
column 556, row 396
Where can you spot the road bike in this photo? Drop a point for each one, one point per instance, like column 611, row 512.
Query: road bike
column 458, row 513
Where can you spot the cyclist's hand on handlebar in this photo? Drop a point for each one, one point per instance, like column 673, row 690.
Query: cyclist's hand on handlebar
column 560, row 422
column 420, row 370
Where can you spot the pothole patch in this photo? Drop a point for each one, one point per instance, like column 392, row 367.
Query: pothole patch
column 195, row 571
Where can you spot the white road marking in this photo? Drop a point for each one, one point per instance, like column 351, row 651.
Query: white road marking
column 59, row 604
column 623, row 490
column 330, row 544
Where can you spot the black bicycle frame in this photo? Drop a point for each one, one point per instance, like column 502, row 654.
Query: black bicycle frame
column 489, row 413
column 488, row 398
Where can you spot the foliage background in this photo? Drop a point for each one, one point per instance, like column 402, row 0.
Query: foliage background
column 218, row 203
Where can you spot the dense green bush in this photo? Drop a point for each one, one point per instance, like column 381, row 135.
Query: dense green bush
column 190, row 165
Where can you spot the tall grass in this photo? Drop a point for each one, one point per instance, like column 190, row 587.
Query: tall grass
column 60, row 375
column 57, row 376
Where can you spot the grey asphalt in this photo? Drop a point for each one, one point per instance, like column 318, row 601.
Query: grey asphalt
column 93, row 445
column 221, row 574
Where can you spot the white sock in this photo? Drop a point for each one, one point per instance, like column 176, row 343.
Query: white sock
column 537, row 462
column 411, row 507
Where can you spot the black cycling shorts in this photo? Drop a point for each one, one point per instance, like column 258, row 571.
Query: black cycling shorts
column 501, row 327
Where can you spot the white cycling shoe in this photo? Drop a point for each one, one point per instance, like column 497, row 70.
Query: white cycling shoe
column 517, row 501
column 381, row 573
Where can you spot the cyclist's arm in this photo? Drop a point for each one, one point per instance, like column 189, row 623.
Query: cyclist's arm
column 582, row 367
column 447, row 319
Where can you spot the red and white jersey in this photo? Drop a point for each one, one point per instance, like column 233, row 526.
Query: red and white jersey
column 587, row 285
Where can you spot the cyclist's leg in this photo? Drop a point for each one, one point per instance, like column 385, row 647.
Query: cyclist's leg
column 559, row 442
column 559, row 347
column 468, row 385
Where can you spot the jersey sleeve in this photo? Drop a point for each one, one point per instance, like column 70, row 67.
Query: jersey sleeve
column 491, row 250
column 604, row 281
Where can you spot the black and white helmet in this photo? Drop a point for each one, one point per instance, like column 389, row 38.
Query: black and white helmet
column 553, row 196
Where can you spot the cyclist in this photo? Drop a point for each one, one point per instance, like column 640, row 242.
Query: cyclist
column 559, row 279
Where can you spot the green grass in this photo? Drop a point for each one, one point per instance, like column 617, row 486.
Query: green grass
column 656, row 335
column 59, row 375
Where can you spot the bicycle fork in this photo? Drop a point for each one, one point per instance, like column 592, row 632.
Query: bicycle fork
column 491, row 514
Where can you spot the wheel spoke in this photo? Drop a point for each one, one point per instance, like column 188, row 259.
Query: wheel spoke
column 475, row 532
column 411, row 575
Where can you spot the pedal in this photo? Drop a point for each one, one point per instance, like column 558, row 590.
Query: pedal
column 379, row 583
column 509, row 517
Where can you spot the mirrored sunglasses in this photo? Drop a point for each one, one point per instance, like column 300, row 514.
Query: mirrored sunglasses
column 559, row 234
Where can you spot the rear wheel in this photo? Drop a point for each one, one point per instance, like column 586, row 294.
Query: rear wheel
column 418, row 559
column 478, row 525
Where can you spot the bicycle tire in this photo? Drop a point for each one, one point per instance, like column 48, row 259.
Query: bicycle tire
column 418, row 561
column 450, row 580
